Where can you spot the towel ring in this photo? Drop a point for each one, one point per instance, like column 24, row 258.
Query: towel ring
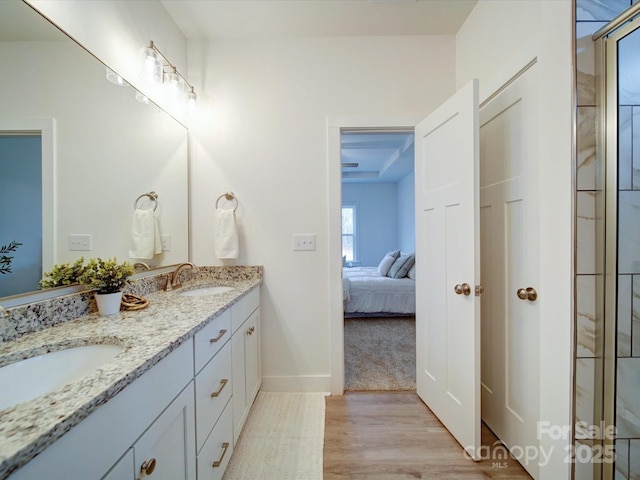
column 153, row 196
column 228, row 196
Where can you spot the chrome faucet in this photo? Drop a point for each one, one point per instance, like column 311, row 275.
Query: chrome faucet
column 173, row 279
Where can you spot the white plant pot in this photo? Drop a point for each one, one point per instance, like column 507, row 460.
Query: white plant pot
column 108, row 303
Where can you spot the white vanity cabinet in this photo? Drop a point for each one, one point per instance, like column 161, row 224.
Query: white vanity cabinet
column 177, row 421
column 166, row 449
column 247, row 376
column 214, row 387
column 90, row 449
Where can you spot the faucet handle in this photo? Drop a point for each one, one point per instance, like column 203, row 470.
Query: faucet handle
column 169, row 285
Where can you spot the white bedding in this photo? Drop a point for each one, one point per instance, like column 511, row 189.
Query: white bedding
column 365, row 291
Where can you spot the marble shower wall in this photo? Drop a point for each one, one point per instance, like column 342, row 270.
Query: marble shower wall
column 591, row 15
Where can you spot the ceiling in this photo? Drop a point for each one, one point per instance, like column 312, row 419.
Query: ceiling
column 381, row 156
column 233, row 19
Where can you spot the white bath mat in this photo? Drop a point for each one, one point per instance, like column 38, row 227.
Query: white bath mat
column 282, row 439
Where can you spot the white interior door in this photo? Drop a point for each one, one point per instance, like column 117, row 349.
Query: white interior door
column 510, row 257
column 448, row 265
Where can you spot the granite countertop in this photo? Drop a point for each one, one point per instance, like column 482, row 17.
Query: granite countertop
column 147, row 336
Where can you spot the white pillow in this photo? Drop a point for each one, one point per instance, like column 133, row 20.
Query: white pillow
column 412, row 272
column 401, row 266
column 387, row 261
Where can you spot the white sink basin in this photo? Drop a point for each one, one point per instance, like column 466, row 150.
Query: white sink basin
column 204, row 291
column 30, row 378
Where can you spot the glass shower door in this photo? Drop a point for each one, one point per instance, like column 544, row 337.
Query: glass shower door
column 622, row 243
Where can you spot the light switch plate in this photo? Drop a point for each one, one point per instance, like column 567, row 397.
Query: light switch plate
column 304, row 241
column 80, row 242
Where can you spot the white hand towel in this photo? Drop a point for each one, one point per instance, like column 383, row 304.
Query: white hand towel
column 145, row 234
column 225, row 234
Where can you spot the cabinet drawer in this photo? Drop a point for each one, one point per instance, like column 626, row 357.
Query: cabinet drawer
column 213, row 390
column 211, row 339
column 241, row 310
column 214, row 456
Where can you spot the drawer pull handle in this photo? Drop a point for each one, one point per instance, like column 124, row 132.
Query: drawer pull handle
column 218, row 462
column 223, row 382
column 147, row 467
column 251, row 330
column 214, row 340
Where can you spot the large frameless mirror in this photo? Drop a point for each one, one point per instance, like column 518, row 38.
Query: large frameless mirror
column 76, row 153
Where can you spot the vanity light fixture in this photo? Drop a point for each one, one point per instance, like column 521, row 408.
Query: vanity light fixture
column 158, row 68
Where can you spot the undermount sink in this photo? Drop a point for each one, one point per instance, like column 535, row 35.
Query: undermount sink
column 30, row 378
column 204, row 291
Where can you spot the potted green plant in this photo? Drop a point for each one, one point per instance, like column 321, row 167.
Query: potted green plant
column 107, row 278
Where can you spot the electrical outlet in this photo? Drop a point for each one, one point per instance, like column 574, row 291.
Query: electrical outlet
column 80, row 242
column 304, row 242
column 166, row 242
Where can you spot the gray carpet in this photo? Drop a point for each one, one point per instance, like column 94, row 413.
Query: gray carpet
column 380, row 353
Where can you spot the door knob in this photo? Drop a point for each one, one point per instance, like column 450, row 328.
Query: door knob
column 147, row 467
column 528, row 293
column 464, row 289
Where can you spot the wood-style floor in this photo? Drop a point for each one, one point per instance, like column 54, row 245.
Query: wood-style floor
column 393, row 435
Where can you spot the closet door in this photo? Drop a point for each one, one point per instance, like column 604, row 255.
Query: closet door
column 510, row 256
column 448, row 265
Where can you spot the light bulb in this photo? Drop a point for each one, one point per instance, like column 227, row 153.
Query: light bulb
column 192, row 97
column 114, row 78
column 151, row 66
column 142, row 98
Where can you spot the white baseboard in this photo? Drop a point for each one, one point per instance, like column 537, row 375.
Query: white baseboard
column 297, row 383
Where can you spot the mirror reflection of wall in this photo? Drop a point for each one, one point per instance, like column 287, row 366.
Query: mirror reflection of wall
column 108, row 148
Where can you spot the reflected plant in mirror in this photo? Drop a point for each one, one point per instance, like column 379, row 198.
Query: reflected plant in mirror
column 63, row 274
column 5, row 260
column 75, row 171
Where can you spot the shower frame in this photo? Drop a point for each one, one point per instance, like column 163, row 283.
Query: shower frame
column 607, row 39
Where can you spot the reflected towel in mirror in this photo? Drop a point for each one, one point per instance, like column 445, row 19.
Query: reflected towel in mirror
column 145, row 234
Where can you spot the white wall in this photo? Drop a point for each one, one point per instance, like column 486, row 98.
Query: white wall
column 262, row 133
column 377, row 219
column 498, row 39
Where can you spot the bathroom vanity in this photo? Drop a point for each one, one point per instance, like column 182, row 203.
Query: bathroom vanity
column 171, row 405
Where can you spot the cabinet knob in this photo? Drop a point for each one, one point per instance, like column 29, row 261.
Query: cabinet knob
column 251, row 330
column 147, row 467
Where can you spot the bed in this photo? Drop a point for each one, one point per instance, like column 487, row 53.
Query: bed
column 366, row 292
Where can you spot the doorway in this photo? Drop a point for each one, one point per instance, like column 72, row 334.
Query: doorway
column 44, row 130
column 377, row 218
column 515, row 134
column 21, row 215
column 336, row 126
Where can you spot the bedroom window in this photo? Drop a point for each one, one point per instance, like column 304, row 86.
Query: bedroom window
column 349, row 242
